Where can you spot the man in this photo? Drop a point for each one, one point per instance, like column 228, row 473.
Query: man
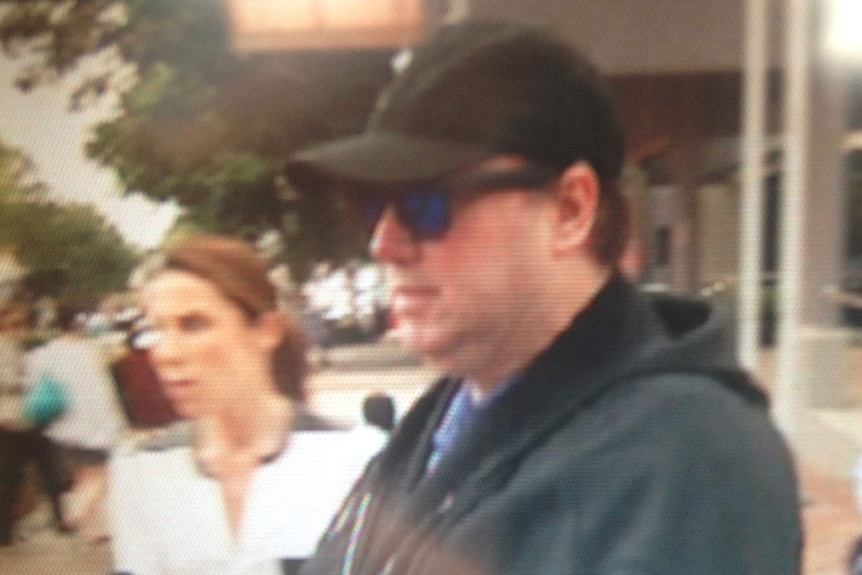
column 581, row 428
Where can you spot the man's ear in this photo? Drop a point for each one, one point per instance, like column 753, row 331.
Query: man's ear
column 577, row 202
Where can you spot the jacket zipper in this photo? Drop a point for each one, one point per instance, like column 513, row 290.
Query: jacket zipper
column 355, row 534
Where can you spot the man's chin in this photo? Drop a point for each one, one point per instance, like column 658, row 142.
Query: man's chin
column 430, row 346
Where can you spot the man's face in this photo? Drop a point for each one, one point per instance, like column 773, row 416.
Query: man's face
column 464, row 300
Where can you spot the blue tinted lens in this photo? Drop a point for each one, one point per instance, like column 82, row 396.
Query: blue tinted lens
column 425, row 213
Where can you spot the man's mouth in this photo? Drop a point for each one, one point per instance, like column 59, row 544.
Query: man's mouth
column 412, row 299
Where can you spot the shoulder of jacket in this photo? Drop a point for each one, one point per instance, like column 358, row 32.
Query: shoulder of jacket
column 708, row 386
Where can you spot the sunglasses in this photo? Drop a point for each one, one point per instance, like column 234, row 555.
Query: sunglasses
column 426, row 211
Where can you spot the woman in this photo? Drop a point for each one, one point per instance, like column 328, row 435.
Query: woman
column 250, row 480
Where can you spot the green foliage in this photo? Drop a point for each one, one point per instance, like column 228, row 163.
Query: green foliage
column 236, row 192
column 192, row 34
column 69, row 250
column 88, row 259
column 16, row 176
column 200, row 124
column 64, row 32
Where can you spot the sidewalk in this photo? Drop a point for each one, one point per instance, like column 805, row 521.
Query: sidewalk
column 831, row 522
column 826, row 447
column 40, row 550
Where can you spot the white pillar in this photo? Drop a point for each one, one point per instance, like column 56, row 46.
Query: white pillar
column 751, row 242
column 789, row 394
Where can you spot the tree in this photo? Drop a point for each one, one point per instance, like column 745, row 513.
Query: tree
column 199, row 123
column 17, row 180
column 72, row 253
column 69, row 250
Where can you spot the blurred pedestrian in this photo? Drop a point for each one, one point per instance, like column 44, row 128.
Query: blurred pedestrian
column 250, row 480
column 12, row 426
column 92, row 420
column 22, row 437
column 582, row 427
column 144, row 399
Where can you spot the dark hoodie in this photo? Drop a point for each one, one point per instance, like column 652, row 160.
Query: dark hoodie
column 632, row 445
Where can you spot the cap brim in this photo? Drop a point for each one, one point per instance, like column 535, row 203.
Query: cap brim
column 378, row 159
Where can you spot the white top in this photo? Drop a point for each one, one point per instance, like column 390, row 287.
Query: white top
column 94, row 417
column 168, row 518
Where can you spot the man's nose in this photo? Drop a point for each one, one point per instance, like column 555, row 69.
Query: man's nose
column 391, row 241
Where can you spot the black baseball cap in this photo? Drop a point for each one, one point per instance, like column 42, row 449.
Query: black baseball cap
column 472, row 91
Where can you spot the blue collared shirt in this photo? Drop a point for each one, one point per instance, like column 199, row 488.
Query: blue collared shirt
column 462, row 410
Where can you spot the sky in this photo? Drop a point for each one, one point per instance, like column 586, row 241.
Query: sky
column 39, row 125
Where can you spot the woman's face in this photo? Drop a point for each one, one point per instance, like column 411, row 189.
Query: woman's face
column 208, row 354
